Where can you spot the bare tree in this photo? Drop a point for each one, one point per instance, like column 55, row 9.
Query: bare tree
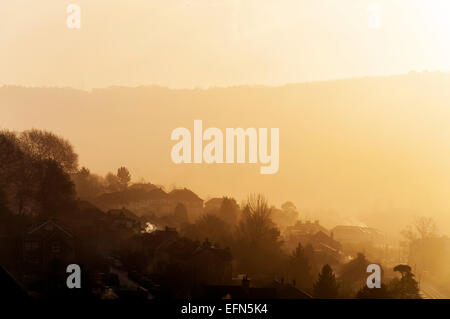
column 422, row 228
column 426, row 227
column 43, row 145
column 256, row 218
column 258, row 242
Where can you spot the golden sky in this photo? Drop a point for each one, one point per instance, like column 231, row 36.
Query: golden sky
column 372, row 147
column 203, row 43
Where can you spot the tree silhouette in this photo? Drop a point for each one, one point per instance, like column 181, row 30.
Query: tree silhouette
column 403, row 269
column 300, row 268
column 32, row 176
column 43, row 145
column 88, row 185
column 407, row 287
column 422, row 228
column 209, row 226
column 258, row 242
column 56, row 189
column 326, row 286
column 229, row 211
column 124, row 176
column 289, row 214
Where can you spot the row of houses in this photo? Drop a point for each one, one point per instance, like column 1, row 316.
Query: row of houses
column 47, row 248
column 152, row 202
column 51, row 239
column 199, row 262
column 202, row 265
column 334, row 243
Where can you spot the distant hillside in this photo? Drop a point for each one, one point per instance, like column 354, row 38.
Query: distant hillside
column 363, row 150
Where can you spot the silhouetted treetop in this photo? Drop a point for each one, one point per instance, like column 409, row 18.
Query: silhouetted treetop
column 45, row 145
column 326, row 286
column 124, row 177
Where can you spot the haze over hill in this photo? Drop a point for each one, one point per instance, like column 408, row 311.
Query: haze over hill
column 366, row 150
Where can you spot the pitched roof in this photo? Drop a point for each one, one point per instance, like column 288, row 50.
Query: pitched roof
column 307, row 227
column 137, row 194
column 51, row 223
column 122, row 197
column 356, row 230
column 286, row 291
column 184, row 195
column 125, row 212
column 222, row 253
column 143, row 186
column 157, row 193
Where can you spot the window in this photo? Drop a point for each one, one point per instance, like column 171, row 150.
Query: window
column 56, row 248
column 31, row 245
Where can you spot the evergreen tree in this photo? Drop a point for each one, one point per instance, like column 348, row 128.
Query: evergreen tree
column 326, row 286
column 407, row 287
column 124, row 177
column 300, row 268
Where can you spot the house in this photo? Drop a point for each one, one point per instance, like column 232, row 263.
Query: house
column 289, row 291
column 156, row 201
column 306, row 227
column 189, row 199
column 320, row 239
column 310, row 233
column 124, row 219
column 45, row 244
column 201, row 263
column 326, row 248
column 211, row 265
column 357, row 234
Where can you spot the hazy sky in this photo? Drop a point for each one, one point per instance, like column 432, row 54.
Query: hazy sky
column 190, row 43
column 344, row 146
